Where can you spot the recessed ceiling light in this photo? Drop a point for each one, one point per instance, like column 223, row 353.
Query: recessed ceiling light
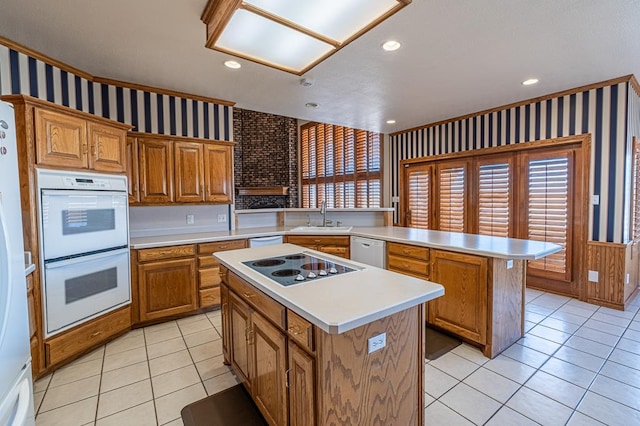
column 232, row 64
column 311, row 105
column 530, row 81
column 391, row 121
column 391, row 45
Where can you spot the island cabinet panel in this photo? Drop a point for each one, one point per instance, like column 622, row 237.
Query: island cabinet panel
column 189, row 171
column 301, row 379
column 155, row 170
column 335, row 245
column 463, row 308
column 301, row 375
column 225, row 308
column 269, row 352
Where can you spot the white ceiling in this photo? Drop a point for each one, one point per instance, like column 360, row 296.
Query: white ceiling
column 457, row 56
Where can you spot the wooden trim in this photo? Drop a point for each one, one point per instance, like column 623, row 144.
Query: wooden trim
column 167, row 92
column 66, row 110
column 42, row 57
column 101, row 80
column 623, row 79
column 216, row 16
column 178, row 138
column 610, row 245
column 263, row 190
column 500, row 149
column 634, row 84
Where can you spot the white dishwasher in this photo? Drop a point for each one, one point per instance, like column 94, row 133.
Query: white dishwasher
column 265, row 241
column 368, row 251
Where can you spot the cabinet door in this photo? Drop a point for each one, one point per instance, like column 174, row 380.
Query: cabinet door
column 270, row 364
column 226, row 326
column 156, row 170
column 218, row 170
column 463, row 308
column 61, row 140
column 131, row 167
column 302, row 407
column 188, row 166
column 240, row 327
column 106, row 148
column 167, row 288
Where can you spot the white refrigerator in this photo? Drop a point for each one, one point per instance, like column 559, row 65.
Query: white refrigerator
column 16, row 388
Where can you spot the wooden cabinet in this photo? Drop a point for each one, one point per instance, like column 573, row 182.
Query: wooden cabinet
column 240, row 314
column 166, row 282
column 301, row 379
column 155, row 170
column 463, row 308
column 66, row 139
column 35, row 341
column 131, row 167
column 409, row 260
column 209, row 270
column 335, row 245
column 218, row 161
column 226, row 323
column 182, row 170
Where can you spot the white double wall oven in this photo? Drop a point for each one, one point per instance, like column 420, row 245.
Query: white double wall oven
column 84, row 246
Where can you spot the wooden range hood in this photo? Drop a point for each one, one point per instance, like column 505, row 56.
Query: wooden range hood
column 263, row 190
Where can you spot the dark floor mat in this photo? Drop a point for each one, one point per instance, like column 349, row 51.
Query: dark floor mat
column 438, row 344
column 232, row 406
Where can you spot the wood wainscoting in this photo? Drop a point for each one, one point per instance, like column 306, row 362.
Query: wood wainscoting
column 618, row 267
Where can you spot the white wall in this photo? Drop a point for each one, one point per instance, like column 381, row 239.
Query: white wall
column 167, row 220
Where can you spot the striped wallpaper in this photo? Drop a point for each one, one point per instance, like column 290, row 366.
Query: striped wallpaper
column 602, row 112
column 146, row 111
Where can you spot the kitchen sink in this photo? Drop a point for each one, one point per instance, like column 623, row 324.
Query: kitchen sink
column 323, row 229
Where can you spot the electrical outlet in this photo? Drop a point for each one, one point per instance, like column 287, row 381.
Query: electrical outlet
column 595, row 200
column 593, row 276
column 222, row 218
column 191, row 219
column 377, row 342
column 626, row 278
column 509, row 263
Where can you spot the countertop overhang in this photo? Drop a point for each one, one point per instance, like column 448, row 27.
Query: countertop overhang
column 481, row 245
column 338, row 303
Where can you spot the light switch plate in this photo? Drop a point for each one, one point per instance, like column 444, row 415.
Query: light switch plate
column 377, row 342
column 191, row 219
column 222, row 218
column 593, row 276
column 595, row 200
column 509, row 263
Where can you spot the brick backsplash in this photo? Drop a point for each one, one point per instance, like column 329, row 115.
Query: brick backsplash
column 266, row 155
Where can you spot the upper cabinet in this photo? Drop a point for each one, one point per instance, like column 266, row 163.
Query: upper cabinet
column 179, row 170
column 66, row 138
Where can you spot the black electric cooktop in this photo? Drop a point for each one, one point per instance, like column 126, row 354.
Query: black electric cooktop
column 297, row 268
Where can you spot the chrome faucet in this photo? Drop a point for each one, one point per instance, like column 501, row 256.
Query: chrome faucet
column 323, row 212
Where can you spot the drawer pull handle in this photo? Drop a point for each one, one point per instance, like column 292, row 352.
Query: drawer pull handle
column 406, row 265
column 97, row 333
column 248, row 295
column 405, row 251
column 295, row 331
column 222, row 247
column 286, row 377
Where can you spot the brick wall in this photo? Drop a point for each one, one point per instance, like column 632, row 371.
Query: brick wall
column 266, row 155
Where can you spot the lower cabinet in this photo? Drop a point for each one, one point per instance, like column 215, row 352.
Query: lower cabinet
column 335, row 245
column 301, row 379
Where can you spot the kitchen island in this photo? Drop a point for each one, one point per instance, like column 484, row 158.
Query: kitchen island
column 343, row 348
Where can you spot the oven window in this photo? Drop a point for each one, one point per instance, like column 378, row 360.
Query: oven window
column 79, row 288
column 78, row 221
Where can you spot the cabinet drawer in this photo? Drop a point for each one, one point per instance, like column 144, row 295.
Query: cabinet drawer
column 300, row 330
column 409, row 266
column 208, row 248
column 210, row 297
column 315, row 240
column 263, row 303
column 408, row 251
column 209, row 277
column 159, row 253
column 336, row 251
column 86, row 336
column 207, row 261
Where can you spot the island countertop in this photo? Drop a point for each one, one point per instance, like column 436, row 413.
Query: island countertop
column 482, row 245
column 339, row 303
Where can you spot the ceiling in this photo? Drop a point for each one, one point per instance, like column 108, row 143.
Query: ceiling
column 457, row 57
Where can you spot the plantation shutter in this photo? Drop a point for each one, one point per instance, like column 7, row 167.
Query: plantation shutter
column 494, row 199
column 341, row 166
column 451, row 189
column 418, row 193
column 636, row 190
column 548, row 209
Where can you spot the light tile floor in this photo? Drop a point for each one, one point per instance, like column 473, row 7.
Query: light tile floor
column 578, row 364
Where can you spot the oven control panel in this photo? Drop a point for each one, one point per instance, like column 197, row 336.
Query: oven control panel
column 85, row 183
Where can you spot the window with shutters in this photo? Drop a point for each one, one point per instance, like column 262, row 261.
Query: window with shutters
column 417, row 185
column 548, row 209
column 494, row 192
column 341, row 166
column 451, row 196
column 635, row 232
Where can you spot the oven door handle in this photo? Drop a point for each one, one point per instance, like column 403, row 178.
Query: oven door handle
column 80, row 192
column 81, row 259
